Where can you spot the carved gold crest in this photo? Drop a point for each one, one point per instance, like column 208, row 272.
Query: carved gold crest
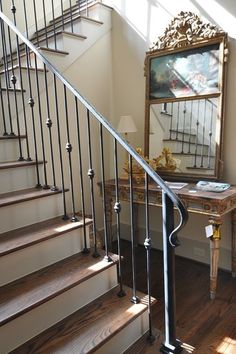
column 184, row 30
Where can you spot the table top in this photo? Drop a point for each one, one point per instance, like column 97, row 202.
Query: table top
column 201, row 202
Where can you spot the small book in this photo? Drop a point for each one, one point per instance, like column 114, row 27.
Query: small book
column 212, row 186
column 176, row 185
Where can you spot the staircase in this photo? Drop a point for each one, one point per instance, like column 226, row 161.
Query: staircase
column 61, row 290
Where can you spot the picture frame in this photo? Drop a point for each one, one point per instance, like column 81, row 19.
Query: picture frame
column 186, row 73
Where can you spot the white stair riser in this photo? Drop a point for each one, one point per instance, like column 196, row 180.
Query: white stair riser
column 22, row 75
column 126, row 337
column 9, row 149
column 14, row 179
column 55, row 310
column 189, row 161
column 40, row 255
column 187, row 137
column 30, row 212
column 75, row 46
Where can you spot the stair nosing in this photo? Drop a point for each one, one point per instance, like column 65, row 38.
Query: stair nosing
column 44, row 230
column 55, row 51
column 18, row 164
column 61, row 331
column 12, row 137
column 53, row 292
column 25, row 195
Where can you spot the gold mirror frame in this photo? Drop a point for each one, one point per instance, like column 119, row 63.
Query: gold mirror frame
column 189, row 41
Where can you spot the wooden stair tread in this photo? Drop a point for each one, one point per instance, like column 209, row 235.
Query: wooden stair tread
column 191, row 154
column 11, row 89
column 25, row 195
column 15, row 67
column 12, row 137
column 15, row 164
column 182, row 132
column 89, row 328
column 185, row 142
column 55, row 51
column 15, row 240
column 24, row 294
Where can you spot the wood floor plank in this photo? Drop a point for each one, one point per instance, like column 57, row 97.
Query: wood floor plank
column 32, row 290
column 204, row 326
column 15, row 240
column 90, row 327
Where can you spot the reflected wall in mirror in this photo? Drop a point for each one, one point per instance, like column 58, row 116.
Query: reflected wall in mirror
column 185, row 73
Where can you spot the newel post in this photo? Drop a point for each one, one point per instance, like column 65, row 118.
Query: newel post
column 171, row 344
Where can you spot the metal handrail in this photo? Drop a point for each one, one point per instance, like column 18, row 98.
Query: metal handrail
column 157, row 179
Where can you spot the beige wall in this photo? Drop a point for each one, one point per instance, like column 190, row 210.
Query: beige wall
column 136, row 25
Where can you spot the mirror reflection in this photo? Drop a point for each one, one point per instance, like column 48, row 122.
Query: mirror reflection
column 187, row 133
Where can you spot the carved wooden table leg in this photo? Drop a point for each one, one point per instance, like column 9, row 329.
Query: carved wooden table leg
column 233, row 218
column 215, row 251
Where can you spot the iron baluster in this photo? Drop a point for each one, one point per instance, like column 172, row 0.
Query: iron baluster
column 49, row 125
column 26, row 20
column 14, row 81
column 171, row 121
column 148, row 245
column 45, row 186
column 5, row 59
column 210, row 135
column 171, row 344
column 31, row 104
column 6, row 75
column 107, row 257
column 190, row 131
column 183, row 132
column 117, row 209
column 65, row 216
column 53, row 22
column 135, row 298
column 91, row 175
column 3, row 111
column 69, row 150
column 177, row 123
column 45, row 23
column 22, row 86
column 36, row 22
column 203, row 133
column 196, row 142
column 85, row 249
column 62, row 15
column 71, row 17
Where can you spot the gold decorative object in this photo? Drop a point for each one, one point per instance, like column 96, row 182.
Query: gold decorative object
column 185, row 29
column 137, row 171
column 165, row 161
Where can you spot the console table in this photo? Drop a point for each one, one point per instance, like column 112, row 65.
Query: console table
column 214, row 205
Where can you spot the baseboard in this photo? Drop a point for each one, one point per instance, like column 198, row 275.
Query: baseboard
column 189, row 248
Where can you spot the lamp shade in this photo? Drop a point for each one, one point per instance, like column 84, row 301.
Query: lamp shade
column 126, row 125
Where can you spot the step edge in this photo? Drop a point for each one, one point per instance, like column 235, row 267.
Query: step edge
column 21, row 312
column 52, row 234
column 29, row 197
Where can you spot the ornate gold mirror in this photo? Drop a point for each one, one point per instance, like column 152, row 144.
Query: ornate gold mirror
column 185, row 76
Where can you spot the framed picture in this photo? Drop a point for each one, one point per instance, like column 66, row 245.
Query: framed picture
column 185, row 73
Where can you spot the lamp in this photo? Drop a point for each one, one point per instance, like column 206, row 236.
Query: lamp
column 126, row 125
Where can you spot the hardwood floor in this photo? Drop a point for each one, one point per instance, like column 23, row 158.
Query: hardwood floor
column 206, row 326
